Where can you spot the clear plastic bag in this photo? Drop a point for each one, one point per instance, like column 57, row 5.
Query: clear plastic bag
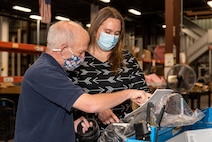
column 117, row 132
column 176, row 112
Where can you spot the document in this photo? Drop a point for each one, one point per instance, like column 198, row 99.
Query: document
column 140, row 113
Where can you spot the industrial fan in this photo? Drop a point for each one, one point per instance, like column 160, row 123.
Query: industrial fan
column 181, row 78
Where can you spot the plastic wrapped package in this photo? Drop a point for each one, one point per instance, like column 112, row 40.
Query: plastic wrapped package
column 175, row 113
column 117, row 132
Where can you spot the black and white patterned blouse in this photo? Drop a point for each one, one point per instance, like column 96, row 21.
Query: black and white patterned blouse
column 95, row 76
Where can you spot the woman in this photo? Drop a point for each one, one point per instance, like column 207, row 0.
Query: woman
column 108, row 67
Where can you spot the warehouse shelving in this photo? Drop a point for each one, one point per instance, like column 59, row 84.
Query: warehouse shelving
column 7, row 79
column 18, row 48
column 21, row 47
column 152, row 60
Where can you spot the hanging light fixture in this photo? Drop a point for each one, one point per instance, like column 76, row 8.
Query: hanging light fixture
column 209, row 3
column 135, row 12
column 105, row 1
column 62, row 18
column 88, row 25
column 36, row 17
column 20, row 8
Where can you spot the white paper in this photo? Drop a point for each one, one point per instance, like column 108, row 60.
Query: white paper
column 137, row 113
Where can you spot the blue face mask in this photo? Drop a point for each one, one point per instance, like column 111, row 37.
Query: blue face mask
column 107, row 41
column 73, row 62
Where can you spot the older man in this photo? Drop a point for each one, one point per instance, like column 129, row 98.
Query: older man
column 47, row 96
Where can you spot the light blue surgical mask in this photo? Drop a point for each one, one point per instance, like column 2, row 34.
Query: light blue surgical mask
column 107, row 41
column 73, row 62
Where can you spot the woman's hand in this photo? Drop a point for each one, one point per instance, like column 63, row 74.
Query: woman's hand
column 107, row 117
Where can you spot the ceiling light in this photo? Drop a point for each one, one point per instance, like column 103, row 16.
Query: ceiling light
column 135, row 12
column 62, row 18
column 88, row 25
column 105, row 1
column 24, row 9
column 163, row 26
column 36, row 17
column 209, row 3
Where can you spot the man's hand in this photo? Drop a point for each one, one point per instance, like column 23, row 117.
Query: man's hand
column 107, row 117
column 84, row 122
column 140, row 97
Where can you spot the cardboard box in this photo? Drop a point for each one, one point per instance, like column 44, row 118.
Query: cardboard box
column 146, row 54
